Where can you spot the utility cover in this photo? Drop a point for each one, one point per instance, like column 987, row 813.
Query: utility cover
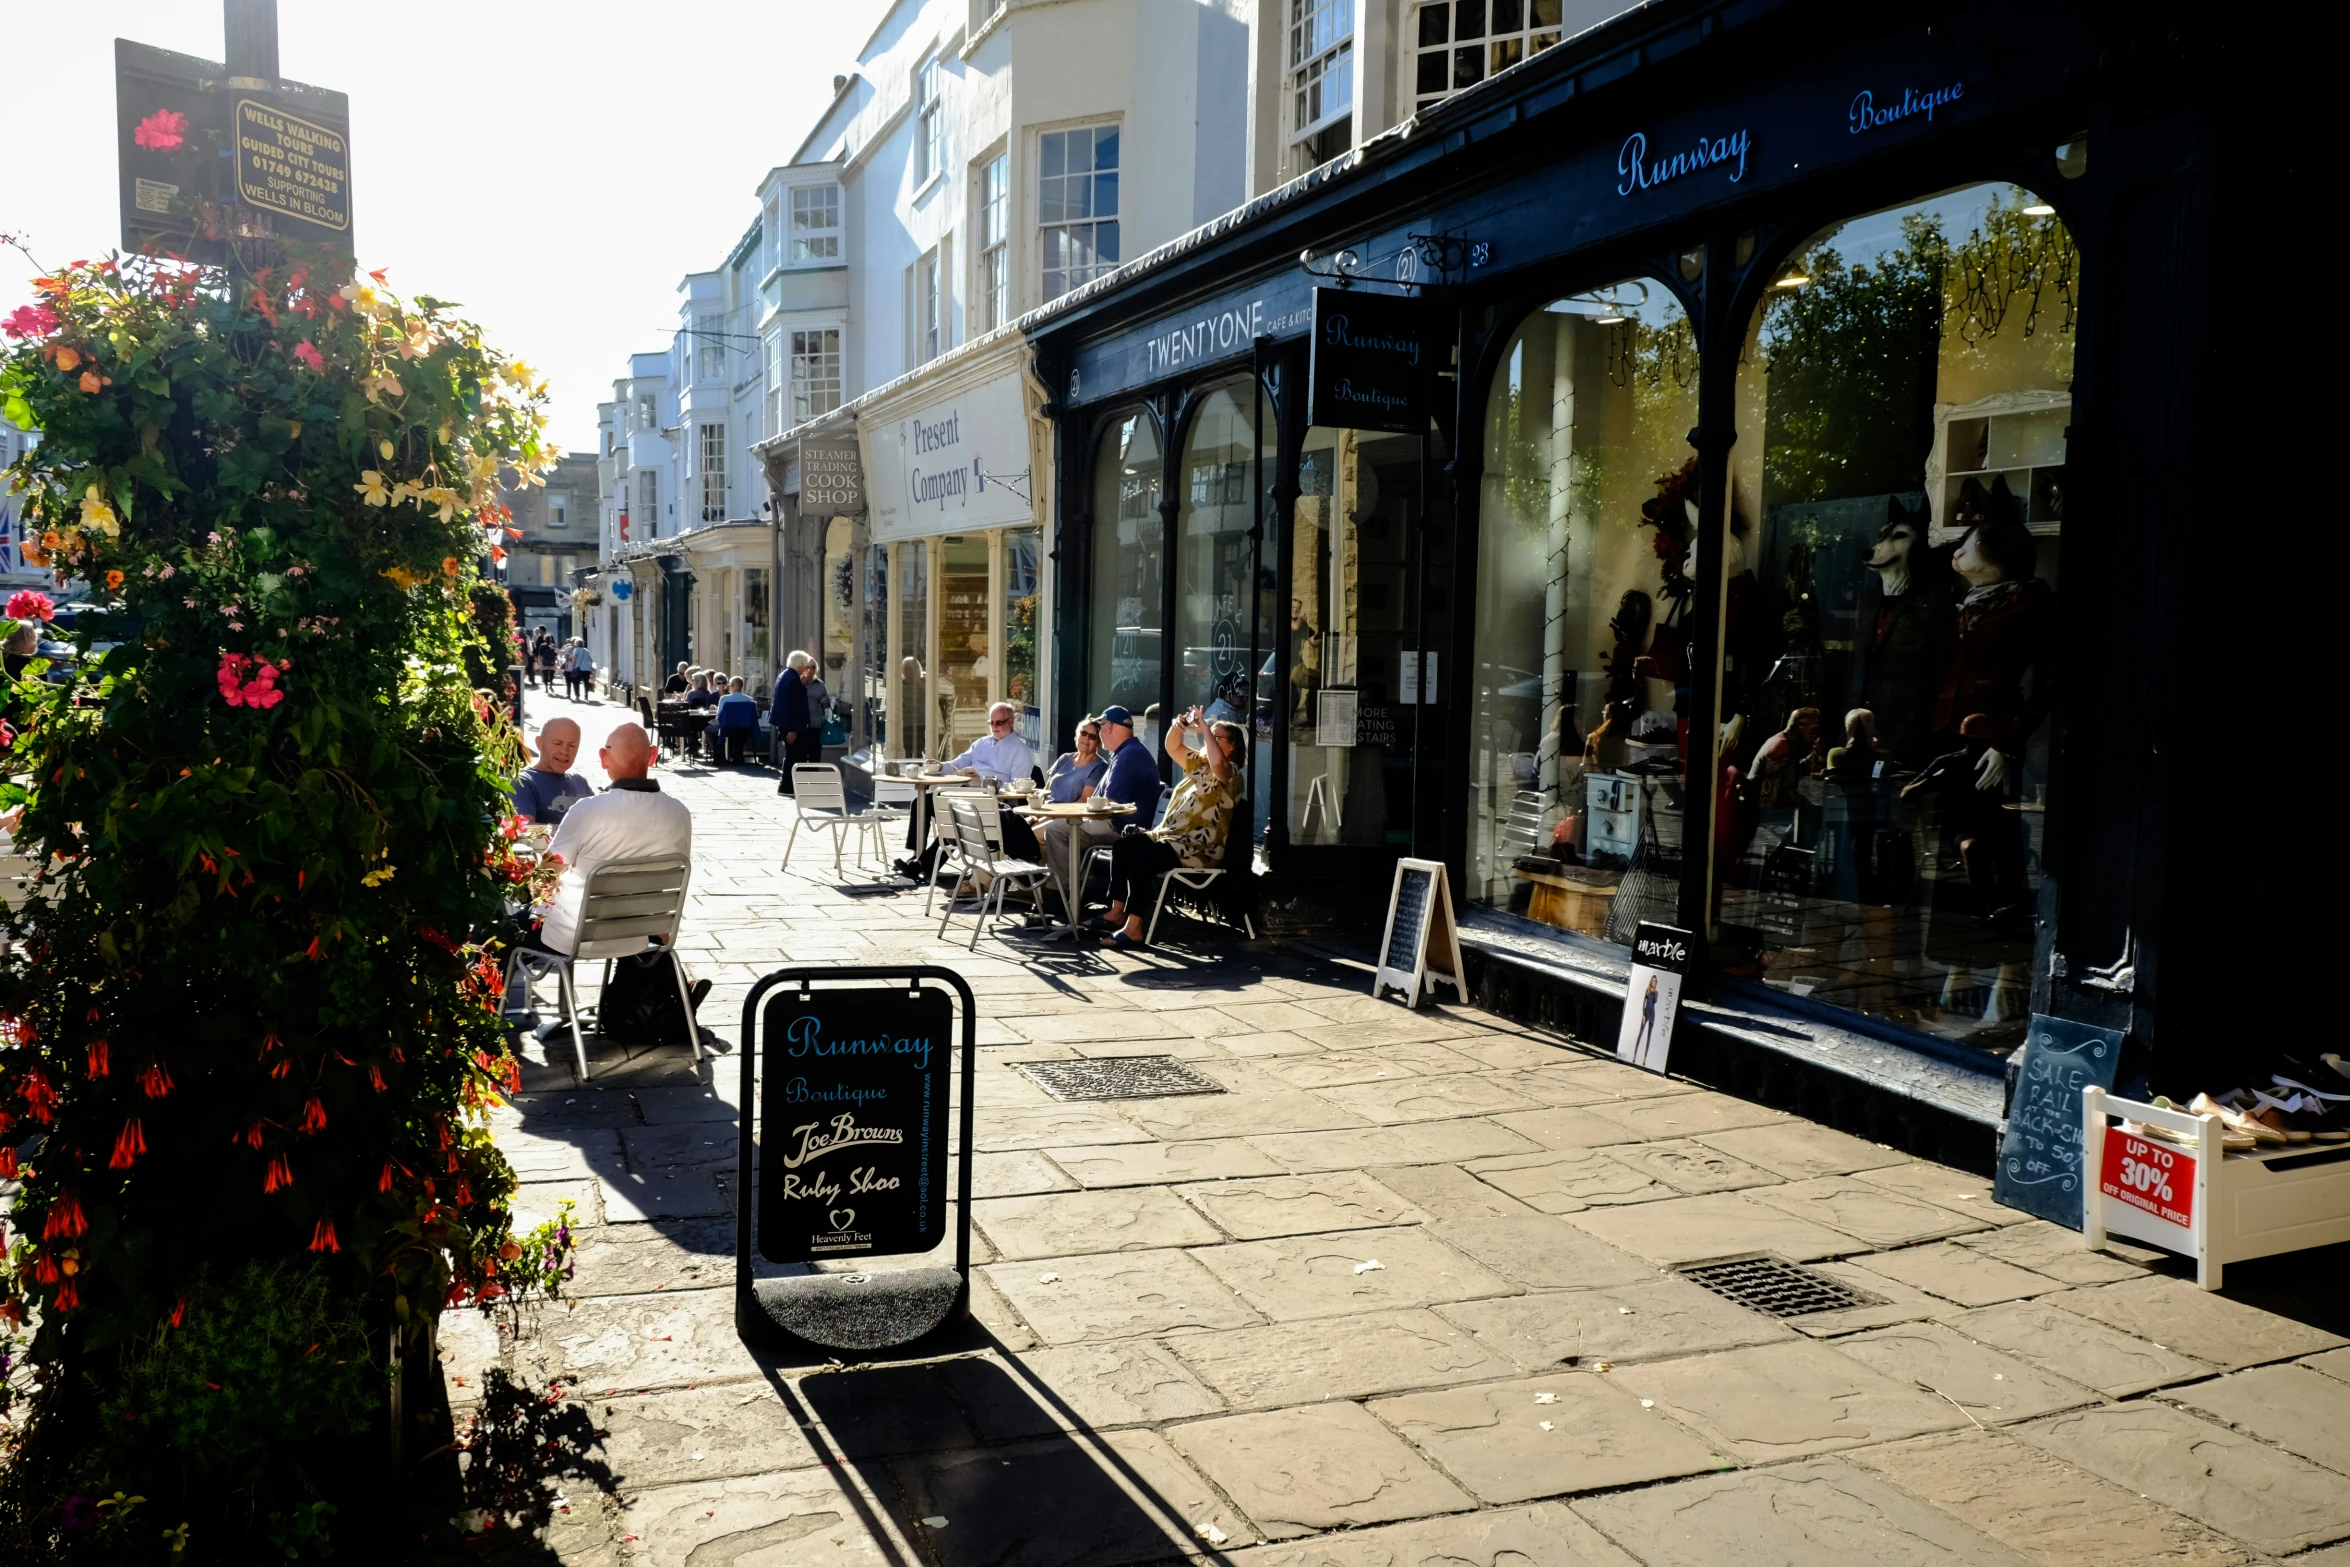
column 1119, row 1077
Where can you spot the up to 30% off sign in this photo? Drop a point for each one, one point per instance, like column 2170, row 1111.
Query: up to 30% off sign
column 2159, row 1180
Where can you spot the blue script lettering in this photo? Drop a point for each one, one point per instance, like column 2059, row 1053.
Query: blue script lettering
column 805, row 1037
column 1866, row 115
column 1638, row 171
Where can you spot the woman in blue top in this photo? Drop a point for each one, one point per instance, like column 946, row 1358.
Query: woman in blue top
column 1075, row 775
column 738, row 720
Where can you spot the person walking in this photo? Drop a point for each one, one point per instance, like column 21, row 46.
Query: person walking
column 789, row 717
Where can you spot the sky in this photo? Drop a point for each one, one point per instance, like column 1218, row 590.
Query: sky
column 555, row 166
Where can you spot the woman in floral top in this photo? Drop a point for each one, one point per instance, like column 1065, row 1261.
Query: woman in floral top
column 1193, row 832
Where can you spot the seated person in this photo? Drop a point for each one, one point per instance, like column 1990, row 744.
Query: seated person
column 631, row 820
column 698, row 692
column 677, row 684
column 1199, row 819
column 738, row 720
column 1075, row 774
column 1130, row 778
column 545, row 791
column 1000, row 757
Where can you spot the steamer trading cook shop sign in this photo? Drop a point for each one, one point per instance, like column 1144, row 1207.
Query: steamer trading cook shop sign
column 956, row 465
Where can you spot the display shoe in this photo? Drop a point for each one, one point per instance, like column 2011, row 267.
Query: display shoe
column 2234, row 1120
column 2229, row 1141
column 2337, row 1064
column 2325, row 1117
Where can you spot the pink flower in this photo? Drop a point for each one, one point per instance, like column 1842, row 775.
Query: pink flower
column 162, row 131
column 309, row 355
column 26, row 604
column 30, row 321
column 246, row 681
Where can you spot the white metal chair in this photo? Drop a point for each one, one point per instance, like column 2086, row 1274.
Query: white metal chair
column 821, row 804
column 976, row 838
column 1101, row 852
column 1236, row 840
column 991, row 824
column 631, row 907
column 893, row 802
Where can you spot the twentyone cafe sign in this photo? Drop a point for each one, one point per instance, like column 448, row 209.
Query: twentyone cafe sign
column 958, row 464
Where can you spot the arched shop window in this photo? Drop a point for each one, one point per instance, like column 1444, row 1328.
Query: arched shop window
column 1125, row 656
column 1896, row 493
column 1583, row 614
column 1217, row 567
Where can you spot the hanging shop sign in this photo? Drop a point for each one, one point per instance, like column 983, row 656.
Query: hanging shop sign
column 203, row 165
column 958, row 464
column 831, row 474
column 1652, row 995
column 1371, row 362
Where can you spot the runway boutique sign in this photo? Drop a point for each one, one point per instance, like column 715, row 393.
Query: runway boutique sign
column 955, row 465
column 1370, row 362
column 1637, row 169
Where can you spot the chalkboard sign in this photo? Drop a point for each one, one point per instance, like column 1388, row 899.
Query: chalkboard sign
column 853, row 1123
column 2040, row 1155
column 1421, row 944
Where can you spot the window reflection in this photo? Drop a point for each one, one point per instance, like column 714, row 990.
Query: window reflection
column 1129, row 552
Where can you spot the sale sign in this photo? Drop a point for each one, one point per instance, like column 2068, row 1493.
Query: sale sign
column 2150, row 1177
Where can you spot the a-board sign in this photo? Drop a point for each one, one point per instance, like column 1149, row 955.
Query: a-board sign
column 1652, row 995
column 1372, row 362
column 2040, row 1154
column 1422, row 943
column 853, row 1122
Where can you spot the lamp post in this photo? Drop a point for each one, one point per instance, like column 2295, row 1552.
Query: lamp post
column 251, row 26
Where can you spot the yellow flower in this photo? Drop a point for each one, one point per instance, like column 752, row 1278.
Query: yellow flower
column 96, row 514
column 446, row 499
column 405, row 491
column 376, row 878
column 383, row 449
column 371, row 488
column 402, row 577
column 368, row 297
column 381, row 382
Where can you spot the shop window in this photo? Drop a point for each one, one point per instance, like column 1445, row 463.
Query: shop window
column 1896, row 497
column 1217, row 567
column 966, row 665
column 1357, row 675
column 1023, row 590
column 910, row 662
column 1462, row 42
column 1583, row 620
column 1124, row 656
column 1077, row 205
column 875, row 671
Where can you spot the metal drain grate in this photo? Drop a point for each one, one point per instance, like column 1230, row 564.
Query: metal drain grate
column 1777, row 1288
column 1118, row 1077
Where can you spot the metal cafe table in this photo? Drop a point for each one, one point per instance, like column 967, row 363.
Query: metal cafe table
column 1072, row 890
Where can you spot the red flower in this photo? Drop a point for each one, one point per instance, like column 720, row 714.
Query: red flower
column 323, row 1237
column 97, row 1058
column 30, row 604
column 30, row 321
column 7, row 1163
column 128, row 1146
column 375, row 1077
column 155, row 1080
column 65, row 1219
column 162, row 131
column 383, row 1182
column 464, row 1195
column 68, row 1297
column 280, row 1174
column 39, row 1097
column 308, row 353
column 314, row 1117
column 179, row 1311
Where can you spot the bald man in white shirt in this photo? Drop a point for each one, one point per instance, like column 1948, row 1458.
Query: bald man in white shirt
column 632, row 820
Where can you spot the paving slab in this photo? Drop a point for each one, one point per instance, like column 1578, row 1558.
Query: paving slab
column 1113, row 1499
column 1061, row 1126
column 571, row 1155
column 2178, row 1315
column 1146, row 1164
column 1791, row 1400
column 1117, row 1295
column 826, row 1517
column 2334, row 1363
column 1446, row 1191
column 1016, row 1174
column 1800, row 1150
column 1570, row 1180
column 1335, row 1068
column 1567, row 1083
column 1300, row 1204
column 691, row 1191
column 2261, row 1495
column 1824, row 1513
column 1668, row 1317
column 1546, row 1436
column 1683, row 1230
column 1426, row 1142
column 1995, row 1388
column 1505, row 1047
column 1544, row 1535
column 1624, row 1082
column 1567, row 1126
column 2300, row 1410
column 1298, row 1277
column 2049, row 1511
column 1238, row 1115
column 1327, row 1466
column 1542, row 1252
column 535, row 1202
column 1945, row 1188
column 1959, row 1273
column 656, row 1439
column 1067, row 1224
column 1454, row 1095
column 1893, row 1302
column 635, row 1342
column 639, row 1259
column 1687, row 1115
column 2057, row 1252
column 863, row 1412
column 2117, row 1364
column 1096, row 1386
column 1338, row 1357
column 1690, row 1167
column 1880, row 1217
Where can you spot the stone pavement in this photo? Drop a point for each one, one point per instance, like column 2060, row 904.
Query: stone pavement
column 1405, row 1294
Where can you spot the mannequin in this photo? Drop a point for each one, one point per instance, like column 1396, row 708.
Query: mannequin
column 1794, row 753
column 1901, row 640
column 1997, row 688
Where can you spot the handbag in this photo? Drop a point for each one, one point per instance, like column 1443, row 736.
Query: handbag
column 641, row 1005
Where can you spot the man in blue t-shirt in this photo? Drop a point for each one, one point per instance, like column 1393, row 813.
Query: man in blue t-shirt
column 546, row 789
column 1133, row 779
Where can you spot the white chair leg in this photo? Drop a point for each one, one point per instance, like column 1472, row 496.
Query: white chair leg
column 1158, row 907
column 571, row 1015
column 685, row 999
column 793, row 839
column 839, row 829
column 516, row 968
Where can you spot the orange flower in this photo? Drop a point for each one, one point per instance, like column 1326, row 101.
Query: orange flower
column 155, row 1080
column 280, row 1174
column 323, row 1237
column 314, row 1117
column 128, row 1146
column 65, row 1220
column 114, row 582
column 97, row 1058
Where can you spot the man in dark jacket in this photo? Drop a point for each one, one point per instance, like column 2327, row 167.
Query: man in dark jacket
column 788, row 716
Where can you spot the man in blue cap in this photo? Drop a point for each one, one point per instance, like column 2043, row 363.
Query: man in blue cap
column 1133, row 779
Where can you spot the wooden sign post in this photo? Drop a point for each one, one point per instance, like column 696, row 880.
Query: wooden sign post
column 1422, row 943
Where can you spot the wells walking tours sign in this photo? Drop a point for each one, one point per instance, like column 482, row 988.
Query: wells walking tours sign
column 847, row 1153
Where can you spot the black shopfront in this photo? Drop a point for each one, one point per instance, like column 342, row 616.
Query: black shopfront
column 1813, row 539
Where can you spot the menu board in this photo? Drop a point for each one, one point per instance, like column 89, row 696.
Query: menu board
column 2040, row 1153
